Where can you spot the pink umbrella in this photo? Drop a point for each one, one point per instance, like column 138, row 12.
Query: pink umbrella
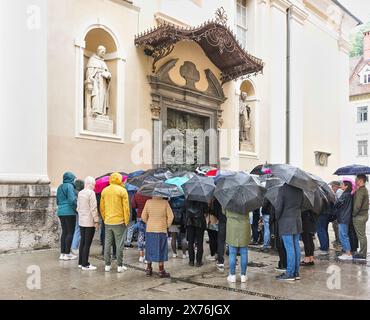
column 101, row 184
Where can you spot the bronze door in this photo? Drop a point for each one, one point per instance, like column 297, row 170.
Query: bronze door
column 186, row 122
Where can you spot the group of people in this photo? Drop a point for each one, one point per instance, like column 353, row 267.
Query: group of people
column 186, row 221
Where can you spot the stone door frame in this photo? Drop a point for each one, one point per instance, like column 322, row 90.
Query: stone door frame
column 167, row 94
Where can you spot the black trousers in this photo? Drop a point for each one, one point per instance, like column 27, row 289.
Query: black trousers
column 255, row 233
column 87, row 236
column 221, row 241
column 309, row 246
column 195, row 235
column 68, row 229
column 212, row 235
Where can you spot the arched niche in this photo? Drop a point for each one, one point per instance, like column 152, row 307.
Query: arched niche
column 248, row 118
column 109, row 124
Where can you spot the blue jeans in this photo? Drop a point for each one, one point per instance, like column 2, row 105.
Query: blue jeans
column 322, row 232
column 76, row 238
column 233, row 251
column 266, row 227
column 293, row 251
column 343, row 236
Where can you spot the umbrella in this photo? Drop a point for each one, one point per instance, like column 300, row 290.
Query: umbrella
column 319, row 201
column 222, row 174
column 212, row 173
column 294, row 177
column 160, row 189
column 135, row 174
column 203, row 170
column 145, row 178
column 186, row 174
column 177, row 181
column 261, row 169
column 328, row 191
column 240, row 193
column 199, row 188
column 273, row 185
column 101, row 183
column 123, row 174
column 352, row 170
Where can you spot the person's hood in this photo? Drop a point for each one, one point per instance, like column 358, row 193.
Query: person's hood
column 116, row 178
column 69, row 177
column 89, row 183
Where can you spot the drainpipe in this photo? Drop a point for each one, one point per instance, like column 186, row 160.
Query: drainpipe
column 287, row 130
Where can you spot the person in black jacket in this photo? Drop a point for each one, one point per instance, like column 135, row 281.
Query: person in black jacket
column 288, row 216
column 195, row 227
column 344, row 213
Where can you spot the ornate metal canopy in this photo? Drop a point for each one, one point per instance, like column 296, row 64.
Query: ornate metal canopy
column 216, row 39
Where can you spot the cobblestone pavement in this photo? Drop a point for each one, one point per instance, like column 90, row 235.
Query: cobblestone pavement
column 63, row 280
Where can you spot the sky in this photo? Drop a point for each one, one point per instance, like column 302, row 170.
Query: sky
column 360, row 8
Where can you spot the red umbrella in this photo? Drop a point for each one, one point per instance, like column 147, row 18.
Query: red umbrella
column 212, row 173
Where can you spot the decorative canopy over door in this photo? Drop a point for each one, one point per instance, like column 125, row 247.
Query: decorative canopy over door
column 215, row 38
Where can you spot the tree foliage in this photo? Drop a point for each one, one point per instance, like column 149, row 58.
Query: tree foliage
column 357, row 40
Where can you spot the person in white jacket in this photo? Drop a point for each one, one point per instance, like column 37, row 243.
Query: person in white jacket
column 88, row 218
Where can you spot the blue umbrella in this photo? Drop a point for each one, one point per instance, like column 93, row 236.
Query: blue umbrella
column 352, row 170
column 135, row 174
column 177, row 181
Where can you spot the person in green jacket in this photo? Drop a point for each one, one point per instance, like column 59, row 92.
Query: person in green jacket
column 67, row 211
column 360, row 215
column 238, row 236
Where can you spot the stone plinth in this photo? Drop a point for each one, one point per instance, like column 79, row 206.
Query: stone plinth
column 27, row 218
column 247, row 146
column 99, row 124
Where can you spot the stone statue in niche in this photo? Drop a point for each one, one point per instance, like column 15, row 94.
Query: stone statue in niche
column 245, row 124
column 97, row 88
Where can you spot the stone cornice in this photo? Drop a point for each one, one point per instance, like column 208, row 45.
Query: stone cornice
column 298, row 14
column 281, row 5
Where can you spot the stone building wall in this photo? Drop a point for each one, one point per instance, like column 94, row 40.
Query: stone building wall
column 27, row 218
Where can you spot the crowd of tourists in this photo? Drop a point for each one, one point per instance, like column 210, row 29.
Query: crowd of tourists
column 120, row 213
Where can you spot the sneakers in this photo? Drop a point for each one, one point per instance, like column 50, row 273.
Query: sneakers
column 191, row 263
column 75, row 251
column 231, row 278
column 68, row 257
column 297, row 276
column 174, row 255
column 278, row 269
column 141, row 259
column 285, row 278
column 264, row 250
column 79, row 266
column 359, row 257
column 199, row 264
column 211, row 258
column 61, row 257
column 323, row 253
column 345, row 257
column 89, row 268
column 243, row 279
column 185, row 256
column 220, row 267
column 107, row 268
column 164, row 274
column 121, row 269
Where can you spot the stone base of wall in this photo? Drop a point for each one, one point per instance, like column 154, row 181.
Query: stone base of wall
column 27, row 218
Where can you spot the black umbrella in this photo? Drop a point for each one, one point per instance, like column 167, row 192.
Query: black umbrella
column 352, row 170
column 294, row 176
column 260, row 170
column 328, row 191
column 320, row 201
column 143, row 179
column 239, row 193
column 199, row 188
column 160, row 189
column 273, row 185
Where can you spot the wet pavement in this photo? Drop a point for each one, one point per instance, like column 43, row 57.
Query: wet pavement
column 328, row 279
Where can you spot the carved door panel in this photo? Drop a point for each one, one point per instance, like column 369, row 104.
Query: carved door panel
column 183, row 121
